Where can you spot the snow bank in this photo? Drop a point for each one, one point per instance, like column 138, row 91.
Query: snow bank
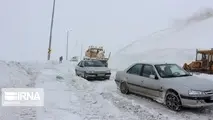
column 18, row 75
column 14, row 74
column 70, row 97
column 176, row 44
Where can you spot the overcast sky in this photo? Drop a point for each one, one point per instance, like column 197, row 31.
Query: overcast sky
column 25, row 24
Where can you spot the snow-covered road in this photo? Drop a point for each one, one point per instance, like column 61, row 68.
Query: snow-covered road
column 68, row 97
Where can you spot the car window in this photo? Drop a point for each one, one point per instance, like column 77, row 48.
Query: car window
column 94, row 63
column 136, row 69
column 176, row 69
column 148, row 70
column 171, row 70
column 83, row 63
column 79, row 64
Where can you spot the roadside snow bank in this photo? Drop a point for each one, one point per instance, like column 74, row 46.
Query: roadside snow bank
column 70, row 97
column 18, row 75
column 14, row 74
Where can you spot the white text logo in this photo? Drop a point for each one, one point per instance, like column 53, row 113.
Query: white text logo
column 22, row 97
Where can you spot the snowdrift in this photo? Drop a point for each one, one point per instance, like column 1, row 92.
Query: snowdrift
column 14, row 74
column 176, row 44
column 18, row 75
column 21, row 74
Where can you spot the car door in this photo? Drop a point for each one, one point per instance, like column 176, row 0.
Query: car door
column 151, row 85
column 134, row 79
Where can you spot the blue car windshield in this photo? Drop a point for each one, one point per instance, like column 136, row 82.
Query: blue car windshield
column 93, row 63
column 171, row 70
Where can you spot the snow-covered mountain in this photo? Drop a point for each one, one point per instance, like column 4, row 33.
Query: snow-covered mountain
column 176, row 44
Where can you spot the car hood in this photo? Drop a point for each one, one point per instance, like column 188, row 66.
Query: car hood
column 193, row 82
column 97, row 68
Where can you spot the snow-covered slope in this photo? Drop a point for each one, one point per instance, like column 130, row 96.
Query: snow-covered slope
column 176, row 44
column 18, row 75
column 15, row 74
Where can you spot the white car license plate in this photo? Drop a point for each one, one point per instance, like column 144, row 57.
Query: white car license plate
column 101, row 74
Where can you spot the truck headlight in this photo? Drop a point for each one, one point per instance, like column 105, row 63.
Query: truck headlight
column 195, row 93
column 108, row 71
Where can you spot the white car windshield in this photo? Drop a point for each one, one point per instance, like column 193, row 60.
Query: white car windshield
column 94, row 63
column 171, row 70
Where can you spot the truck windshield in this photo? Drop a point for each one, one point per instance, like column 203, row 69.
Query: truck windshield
column 94, row 63
column 171, row 70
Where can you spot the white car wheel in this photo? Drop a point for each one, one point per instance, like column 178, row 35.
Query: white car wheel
column 173, row 101
column 124, row 88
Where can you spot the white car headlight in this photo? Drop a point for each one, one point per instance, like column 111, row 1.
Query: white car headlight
column 195, row 92
column 108, row 71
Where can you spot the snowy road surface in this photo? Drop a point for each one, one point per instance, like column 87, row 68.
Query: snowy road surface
column 68, row 97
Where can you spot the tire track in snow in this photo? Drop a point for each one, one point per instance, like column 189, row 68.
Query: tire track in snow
column 143, row 106
column 124, row 105
column 93, row 106
column 108, row 91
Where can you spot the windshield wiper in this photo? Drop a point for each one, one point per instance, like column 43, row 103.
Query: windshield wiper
column 185, row 75
column 170, row 76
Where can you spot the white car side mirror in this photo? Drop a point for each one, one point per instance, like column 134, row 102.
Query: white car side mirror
column 153, row 77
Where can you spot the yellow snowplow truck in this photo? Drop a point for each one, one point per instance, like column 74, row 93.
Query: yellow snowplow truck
column 203, row 62
column 97, row 53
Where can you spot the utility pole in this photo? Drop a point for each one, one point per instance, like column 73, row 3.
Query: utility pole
column 81, row 51
column 51, row 28
column 67, row 45
column 67, row 49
